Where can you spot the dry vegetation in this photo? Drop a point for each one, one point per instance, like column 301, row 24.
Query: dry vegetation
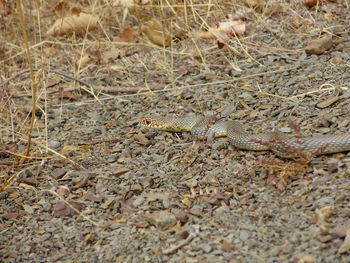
column 49, row 58
column 60, row 54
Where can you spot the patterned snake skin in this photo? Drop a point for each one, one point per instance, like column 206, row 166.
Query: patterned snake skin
column 282, row 144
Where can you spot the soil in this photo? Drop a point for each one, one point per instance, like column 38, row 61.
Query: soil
column 112, row 191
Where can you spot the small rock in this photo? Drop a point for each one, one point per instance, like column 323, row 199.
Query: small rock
column 58, row 173
column 243, row 235
column 206, row 247
column 319, row 46
column 180, row 215
column 138, row 202
column 339, row 232
column 326, row 103
column 307, row 259
column 53, row 144
column 161, row 218
column 325, row 238
column 345, row 247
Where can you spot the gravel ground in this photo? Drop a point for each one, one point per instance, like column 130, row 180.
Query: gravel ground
column 123, row 193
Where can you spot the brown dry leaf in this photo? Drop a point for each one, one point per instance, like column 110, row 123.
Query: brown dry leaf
column 62, row 9
column 51, row 83
column 93, row 198
column 319, row 46
column 112, row 54
column 120, row 171
column 275, row 9
column 77, row 24
column 326, row 103
column 90, row 238
column 85, row 60
column 232, row 27
column 205, row 34
column 127, row 35
column 187, row 202
column 255, row 3
column 65, row 209
column 155, row 32
column 142, row 140
column 68, row 95
column 311, row 3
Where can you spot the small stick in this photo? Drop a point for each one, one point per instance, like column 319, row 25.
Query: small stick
column 194, row 233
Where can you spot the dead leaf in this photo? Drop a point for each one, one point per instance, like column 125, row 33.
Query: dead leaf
column 90, row 238
column 12, row 215
column 275, row 9
column 58, row 173
column 51, row 83
column 93, row 198
column 61, row 9
column 155, row 32
column 142, row 140
column 127, row 35
column 65, row 209
column 325, row 238
column 258, row 4
column 311, row 3
column 74, row 24
column 326, row 103
column 319, row 46
column 205, row 35
column 85, row 60
column 229, row 28
column 120, row 171
column 33, row 181
column 237, row 27
column 187, row 202
column 112, row 54
column 68, row 95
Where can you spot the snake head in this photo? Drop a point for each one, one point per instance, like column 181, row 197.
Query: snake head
column 149, row 122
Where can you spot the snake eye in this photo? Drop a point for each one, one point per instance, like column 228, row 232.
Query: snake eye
column 147, row 121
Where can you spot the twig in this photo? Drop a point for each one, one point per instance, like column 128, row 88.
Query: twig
column 193, row 233
column 5, row 82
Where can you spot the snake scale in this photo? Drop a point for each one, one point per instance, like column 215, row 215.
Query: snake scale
column 204, row 127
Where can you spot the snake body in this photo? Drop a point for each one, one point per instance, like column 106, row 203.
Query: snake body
column 203, row 127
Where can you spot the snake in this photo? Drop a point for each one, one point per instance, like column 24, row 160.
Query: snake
column 204, row 127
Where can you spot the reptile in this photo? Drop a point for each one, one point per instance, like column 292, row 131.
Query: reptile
column 202, row 127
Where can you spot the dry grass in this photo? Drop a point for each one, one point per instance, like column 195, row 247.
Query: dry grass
column 39, row 71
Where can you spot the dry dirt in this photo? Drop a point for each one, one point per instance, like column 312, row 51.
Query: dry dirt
column 111, row 191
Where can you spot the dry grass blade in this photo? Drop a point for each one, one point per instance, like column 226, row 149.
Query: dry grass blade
column 33, row 82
